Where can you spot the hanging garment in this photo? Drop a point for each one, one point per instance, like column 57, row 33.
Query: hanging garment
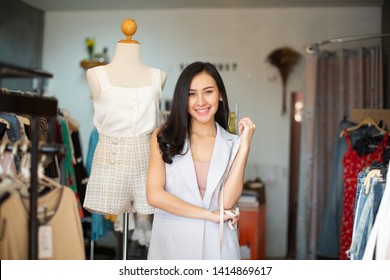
column 180, row 238
column 378, row 244
column 330, row 225
column 68, row 163
column 328, row 245
column 369, row 143
column 61, row 217
column 125, row 119
column 7, row 163
column 369, row 194
column 353, row 164
column 79, row 169
column 14, row 133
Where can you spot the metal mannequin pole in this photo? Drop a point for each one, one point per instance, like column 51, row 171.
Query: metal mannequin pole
column 125, row 231
column 92, row 250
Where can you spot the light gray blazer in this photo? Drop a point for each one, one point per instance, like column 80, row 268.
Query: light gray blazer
column 176, row 237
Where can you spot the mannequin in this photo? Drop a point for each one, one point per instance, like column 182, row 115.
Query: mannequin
column 126, row 95
column 126, row 68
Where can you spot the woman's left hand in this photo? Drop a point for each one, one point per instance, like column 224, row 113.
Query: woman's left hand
column 246, row 130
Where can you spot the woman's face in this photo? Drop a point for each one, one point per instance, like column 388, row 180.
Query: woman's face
column 203, row 98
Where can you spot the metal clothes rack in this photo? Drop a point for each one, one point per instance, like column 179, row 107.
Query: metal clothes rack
column 34, row 106
column 311, row 48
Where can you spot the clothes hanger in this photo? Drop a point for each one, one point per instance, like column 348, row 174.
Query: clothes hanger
column 9, row 182
column 5, row 122
column 45, row 184
column 14, row 152
column 24, row 173
column 45, row 181
column 17, row 184
column 23, row 120
column 367, row 180
column 72, row 123
column 5, row 187
column 368, row 121
column 4, row 91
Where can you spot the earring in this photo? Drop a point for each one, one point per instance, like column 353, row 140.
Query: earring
column 220, row 99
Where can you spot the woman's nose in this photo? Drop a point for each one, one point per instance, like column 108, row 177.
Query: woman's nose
column 201, row 100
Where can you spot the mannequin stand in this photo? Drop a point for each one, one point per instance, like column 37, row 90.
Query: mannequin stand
column 125, row 234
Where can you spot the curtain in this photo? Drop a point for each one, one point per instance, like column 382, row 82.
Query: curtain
column 335, row 83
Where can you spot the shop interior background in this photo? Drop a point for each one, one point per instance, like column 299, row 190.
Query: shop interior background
column 51, row 35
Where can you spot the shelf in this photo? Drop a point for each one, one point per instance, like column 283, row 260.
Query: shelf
column 86, row 64
column 14, row 71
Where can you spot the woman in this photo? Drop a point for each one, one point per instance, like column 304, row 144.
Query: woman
column 189, row 160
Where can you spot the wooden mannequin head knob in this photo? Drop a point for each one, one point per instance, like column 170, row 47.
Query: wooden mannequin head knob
column 129, row 27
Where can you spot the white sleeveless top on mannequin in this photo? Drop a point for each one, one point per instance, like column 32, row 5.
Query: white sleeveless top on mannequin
column 122, row 111
column 125, row 119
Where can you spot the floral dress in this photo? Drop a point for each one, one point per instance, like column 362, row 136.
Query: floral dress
column 353, row 164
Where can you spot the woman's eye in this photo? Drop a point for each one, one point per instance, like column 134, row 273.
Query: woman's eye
column 209, row 92
column 191, row 93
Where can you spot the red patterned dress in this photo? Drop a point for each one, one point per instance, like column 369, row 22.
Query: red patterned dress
column 353, row 164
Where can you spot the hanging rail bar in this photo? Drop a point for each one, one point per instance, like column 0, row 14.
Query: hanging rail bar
column 51, row 148
column 311, row 48
column 28, row 104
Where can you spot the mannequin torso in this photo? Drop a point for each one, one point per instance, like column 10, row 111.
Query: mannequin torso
column 126, row 70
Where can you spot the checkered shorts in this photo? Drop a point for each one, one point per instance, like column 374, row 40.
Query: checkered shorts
column 117, row 183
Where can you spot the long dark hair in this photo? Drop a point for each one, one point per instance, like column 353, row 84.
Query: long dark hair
column 174, row 131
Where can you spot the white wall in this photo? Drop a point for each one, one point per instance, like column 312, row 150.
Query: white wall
column 243, row 36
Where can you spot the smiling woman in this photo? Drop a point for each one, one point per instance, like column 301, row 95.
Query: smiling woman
column 189, row 180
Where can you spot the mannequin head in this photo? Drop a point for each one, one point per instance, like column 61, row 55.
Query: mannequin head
column 129, row 27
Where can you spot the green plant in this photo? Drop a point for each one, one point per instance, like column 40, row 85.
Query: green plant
column 90, row 44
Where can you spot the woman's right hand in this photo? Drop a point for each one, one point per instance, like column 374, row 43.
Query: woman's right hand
column 215, row 217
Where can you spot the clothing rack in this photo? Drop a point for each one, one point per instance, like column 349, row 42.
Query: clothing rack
column 34, row 106
column 311, row 48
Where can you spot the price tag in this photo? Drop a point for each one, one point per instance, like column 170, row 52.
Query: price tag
column 45, row 242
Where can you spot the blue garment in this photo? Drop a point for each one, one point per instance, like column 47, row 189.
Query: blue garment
column 93, row 140
column 330, row 226
column 366, row 208
column 14, row 132
column 99, row 225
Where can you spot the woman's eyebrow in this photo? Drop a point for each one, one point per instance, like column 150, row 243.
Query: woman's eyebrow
column 208, row 87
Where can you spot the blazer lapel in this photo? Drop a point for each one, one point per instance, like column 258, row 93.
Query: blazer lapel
column 185, row 165
column 219, row 162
